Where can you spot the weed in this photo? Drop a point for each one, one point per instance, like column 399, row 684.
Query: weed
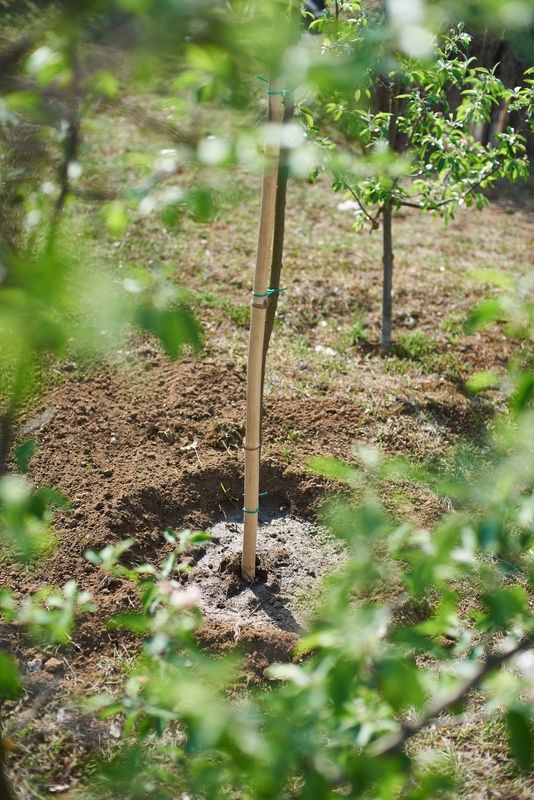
column 453, row 326
column 415, row 345
column 420, row 349
column 239, row 314
column 355, row 334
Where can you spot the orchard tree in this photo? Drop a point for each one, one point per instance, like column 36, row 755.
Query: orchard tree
column 419, row 148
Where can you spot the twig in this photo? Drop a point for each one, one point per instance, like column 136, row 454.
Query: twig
column 372, row 220
column 391, row 744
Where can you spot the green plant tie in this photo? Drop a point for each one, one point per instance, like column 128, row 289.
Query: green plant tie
column 255, row 510
column 269, row 292
column 270, row 91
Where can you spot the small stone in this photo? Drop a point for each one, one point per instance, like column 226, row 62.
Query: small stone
column 53, row 665
column 35, row 665
column 107, row 473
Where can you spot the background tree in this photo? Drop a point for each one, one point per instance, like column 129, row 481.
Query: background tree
column 422, row 149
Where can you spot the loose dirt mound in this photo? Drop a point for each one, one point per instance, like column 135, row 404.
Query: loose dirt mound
column 138, row 455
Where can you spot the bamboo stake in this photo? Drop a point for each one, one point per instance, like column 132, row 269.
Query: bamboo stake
column 260, row 298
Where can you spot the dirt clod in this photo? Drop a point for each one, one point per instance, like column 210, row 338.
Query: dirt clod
column 54, row 665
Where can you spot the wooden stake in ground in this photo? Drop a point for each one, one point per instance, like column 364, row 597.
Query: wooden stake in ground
column 260, row 301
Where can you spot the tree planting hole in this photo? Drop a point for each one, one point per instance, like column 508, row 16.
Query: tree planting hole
column 293, row 555
column 293, row 552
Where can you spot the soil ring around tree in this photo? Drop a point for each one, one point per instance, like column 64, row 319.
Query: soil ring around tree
column 136, row 456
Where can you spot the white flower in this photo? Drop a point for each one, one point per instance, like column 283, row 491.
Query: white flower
column 74, row 170
column 147, row 205
column 524, row 662
column 33, row 218
column 348, row 205
column 213, row 150
column 167, row 161
column 132, row 286
column 185, row 599
column 171, row 195
column 327, row 351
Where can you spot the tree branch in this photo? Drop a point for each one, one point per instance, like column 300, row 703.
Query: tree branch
column 447, row 201
column 391, row 744
column 372, row 220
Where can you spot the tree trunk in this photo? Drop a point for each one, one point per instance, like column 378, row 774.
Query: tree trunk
column 387, row 234
column 278, row 240
column 387, row 285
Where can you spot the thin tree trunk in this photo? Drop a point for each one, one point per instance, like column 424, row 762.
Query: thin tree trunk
column 260, row 297
column 278, row 240
column 387, row 284
column 387, row 234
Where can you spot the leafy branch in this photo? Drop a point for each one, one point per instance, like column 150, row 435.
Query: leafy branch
column 391, row 744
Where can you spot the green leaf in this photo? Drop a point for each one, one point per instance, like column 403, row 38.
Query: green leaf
column 488, row 311
column 199, row 537
column 106, row 83
column 490, row 535
column 116, row 218
column 335, row 470
column 10, row 683
column 504, row 605
column 523, row 393
column 399, row 683
column 494, row 277
column 481, row 381
column 137, row 623
column 174, row 327
column 200, row 203
column 521, row 738
column 291, row 673
column 23, row 452
column 25, row 102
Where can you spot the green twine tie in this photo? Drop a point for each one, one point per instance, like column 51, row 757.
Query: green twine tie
column 270, row 91
column 269, row 292
column 255, row 510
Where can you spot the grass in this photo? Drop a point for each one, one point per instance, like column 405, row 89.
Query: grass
column 477, row 755
column 417, row 349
